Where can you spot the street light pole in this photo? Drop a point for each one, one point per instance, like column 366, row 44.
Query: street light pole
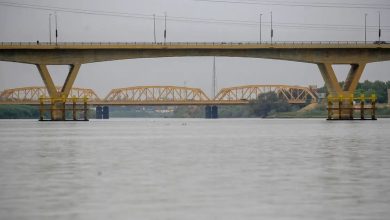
column 55, row 15
column 365, row 28
column 380, row 31
column 260, row 27
column 50, row 28
column 214, row 79
column 272, row 30
column 165, row 30
column 154, row 27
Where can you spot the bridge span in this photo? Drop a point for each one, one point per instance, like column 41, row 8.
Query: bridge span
column 165, row 95
column 323, row 54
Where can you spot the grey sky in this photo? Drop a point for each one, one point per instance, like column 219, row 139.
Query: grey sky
column 26, row 24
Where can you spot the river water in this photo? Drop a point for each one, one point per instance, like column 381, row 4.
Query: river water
column 195, row 169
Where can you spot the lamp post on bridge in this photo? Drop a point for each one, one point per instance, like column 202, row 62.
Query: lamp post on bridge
column 272, row 30
column 365, row 28
column 154, row 27
column 50, row 27
column 55, row 15
column 260, row 27
column 165, row 30
column 380, row 31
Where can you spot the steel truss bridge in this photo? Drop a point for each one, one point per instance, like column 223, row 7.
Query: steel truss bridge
column 165, row 95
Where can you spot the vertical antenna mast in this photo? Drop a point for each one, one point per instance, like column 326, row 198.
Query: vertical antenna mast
column 214, row 78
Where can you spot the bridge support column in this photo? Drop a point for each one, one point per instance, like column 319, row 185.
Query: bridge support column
column 211, row 112
column 214, row 112
column 334, row 88
column 207, row 112
column 332, row 84
column 106, row 112
column 99, row 112
column 57, row 97
column 102, row 112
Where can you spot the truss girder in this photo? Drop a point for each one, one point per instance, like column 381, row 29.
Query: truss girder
column 156, row 94
column 32, row 94
column 167, row 94
column 293, row 94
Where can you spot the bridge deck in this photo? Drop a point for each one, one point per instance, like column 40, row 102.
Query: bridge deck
column 193, row 45
column 67, row 53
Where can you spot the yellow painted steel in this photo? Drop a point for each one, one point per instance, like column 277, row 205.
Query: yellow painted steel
column 32, row 95
column 343, row 107
column 362, row 97
column 157, row 94
column 58, row 108
column 293, row 94
column 162, row 95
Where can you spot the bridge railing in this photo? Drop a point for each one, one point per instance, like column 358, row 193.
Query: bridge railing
column 196, row 43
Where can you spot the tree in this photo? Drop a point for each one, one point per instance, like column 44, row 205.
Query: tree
column 267, row 103
column 379, row 88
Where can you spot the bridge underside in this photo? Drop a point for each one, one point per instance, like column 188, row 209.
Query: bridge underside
column 307, row 55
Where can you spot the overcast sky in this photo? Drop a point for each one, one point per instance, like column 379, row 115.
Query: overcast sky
column 129, row 21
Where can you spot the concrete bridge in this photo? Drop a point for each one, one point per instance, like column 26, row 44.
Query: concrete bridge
column 324, row 54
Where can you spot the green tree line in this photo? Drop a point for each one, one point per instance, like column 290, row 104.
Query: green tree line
column 379, row 88
column 18, row 112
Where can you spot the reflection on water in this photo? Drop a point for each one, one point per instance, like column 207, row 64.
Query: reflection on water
column 195, row 169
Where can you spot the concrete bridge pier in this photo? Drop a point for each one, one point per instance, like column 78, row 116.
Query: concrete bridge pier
column 106, row 112
column 348, row 90
column 58, row 98
column 99, row 112
column 211, row 112
column 102, row 112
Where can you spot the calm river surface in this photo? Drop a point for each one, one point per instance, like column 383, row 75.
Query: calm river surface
column 195, row 169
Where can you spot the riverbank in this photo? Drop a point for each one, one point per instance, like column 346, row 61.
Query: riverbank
column 310, row 111
column 320, row 111
column 18, row 112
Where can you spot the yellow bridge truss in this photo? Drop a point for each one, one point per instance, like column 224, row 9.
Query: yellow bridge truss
column 165, row 95
column 31, row 95
column 156, row 94
column 293, row 94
